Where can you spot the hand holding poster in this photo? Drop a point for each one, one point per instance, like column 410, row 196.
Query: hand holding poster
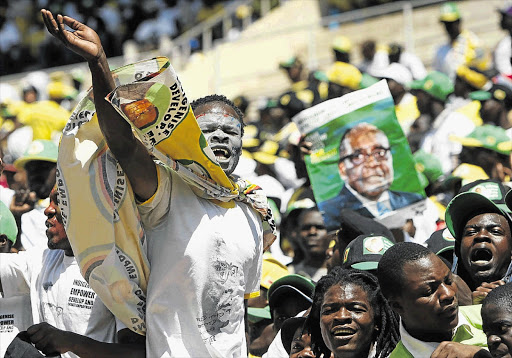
column 360, row 158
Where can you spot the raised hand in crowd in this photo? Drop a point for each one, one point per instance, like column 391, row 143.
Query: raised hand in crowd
column 483, row 290
column 131, row 153
column 84, row 41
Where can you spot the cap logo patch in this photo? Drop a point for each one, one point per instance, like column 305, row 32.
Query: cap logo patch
column 35, row 148
column 420, row 167
column 489, row 190
column 490, row 140
column 375, row 245
column 447, row 235
column 428, row 84
column 345, row 255
column 499, row 94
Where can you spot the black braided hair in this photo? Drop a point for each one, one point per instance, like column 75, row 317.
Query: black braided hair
column 219, row 98
column 384, row 317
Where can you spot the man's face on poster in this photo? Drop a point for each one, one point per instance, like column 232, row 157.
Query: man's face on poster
column 366, row 163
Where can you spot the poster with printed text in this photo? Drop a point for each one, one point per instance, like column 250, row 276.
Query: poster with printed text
column 361, row 159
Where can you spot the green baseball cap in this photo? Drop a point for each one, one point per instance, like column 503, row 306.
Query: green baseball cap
column 288, row 285
column 40, row 149
column 481, row 196
column 289, row 63
column 480, row 95
column 255, row 314
column 428, row 165
column 437, row 84
column 367, row 80
column 441, row 241
column 7, row 223
column 449, row 12
column 487, row 136
column 365, row 252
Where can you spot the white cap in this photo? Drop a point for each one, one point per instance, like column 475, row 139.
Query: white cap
column 396, row 72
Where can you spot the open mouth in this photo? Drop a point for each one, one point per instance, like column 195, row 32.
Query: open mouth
column 221, row 154
column 343, row 332
column 481, row 256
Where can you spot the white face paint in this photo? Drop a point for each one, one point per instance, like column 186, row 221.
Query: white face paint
column 223, row 132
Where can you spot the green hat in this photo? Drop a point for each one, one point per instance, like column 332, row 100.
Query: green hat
column 255, row 314
column 449, row 12
column 367, row 80
column 489, row 137
column 40, row 149
column 291, row 285
column 436, row 84
column 289, row 63
column 320, row 76
column 428, row 164
column 7, row 223
column 481, row 196
column 365, row 252
column 480, row 95
column 441, row 241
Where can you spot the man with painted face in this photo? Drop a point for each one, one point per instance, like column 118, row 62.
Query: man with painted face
column 205, row 256
column 366, row 167
column 421, row 289
column 69, row 318
column 480, row 222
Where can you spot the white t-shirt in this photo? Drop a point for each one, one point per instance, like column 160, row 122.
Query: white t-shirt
column 33, row 226
column 204, row 260
column 438, row 142
column 15, row 316
column 59, row 295
column 502, row 55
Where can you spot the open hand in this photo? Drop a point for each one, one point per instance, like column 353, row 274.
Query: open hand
column 483, row 290
column 84, row 41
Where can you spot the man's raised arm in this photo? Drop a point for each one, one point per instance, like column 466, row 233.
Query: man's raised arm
column 130, row 152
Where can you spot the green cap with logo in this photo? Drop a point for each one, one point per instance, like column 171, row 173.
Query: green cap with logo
column 40, row 149
column 441, row 241
column 449, row 12
column 478, row 197
column 487, row 136
column 428, row 166
column 437, row 84
column 365, row 252
column 7, row 223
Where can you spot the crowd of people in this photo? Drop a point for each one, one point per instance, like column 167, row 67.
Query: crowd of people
column 25, row 46
column 339, row 280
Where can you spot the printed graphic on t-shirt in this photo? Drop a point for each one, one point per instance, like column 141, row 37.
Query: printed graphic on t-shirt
column 81, row 295
column 7, row 323
column 222, row 298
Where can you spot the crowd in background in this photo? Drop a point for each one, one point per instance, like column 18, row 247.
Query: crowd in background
column 457, row 118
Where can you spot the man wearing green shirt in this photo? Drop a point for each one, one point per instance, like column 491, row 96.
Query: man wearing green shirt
column 421, row 289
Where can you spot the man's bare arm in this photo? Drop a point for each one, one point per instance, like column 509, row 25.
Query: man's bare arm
column 51, row 340
column 131, row 153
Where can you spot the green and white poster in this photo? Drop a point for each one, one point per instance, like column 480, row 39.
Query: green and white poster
column 360, row 158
